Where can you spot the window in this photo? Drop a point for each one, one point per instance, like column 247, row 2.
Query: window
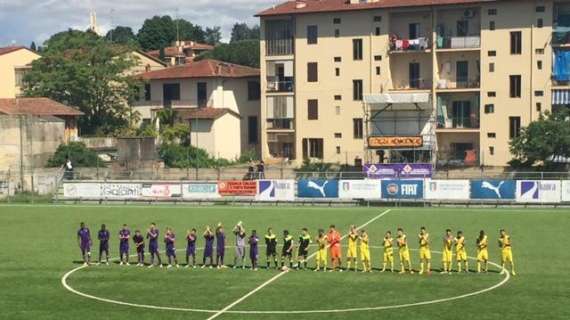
column 462, row 73
column 357, row 128
column 378, row 71
column 147, row 94
column 337, row 59
column 377, row 18
column 492, row 25
column 491, row 135
column 336, row 33
column 491, row 150
column 540, row 9
column 202, row 94
column 492, row 12
column 514, row 127
column 357, row 49
column 489, row 108
column 539, row 23
column 539, row 64
column 337, row 110
column 337, row 149
column 253, row 91
column 492, row 53
column 312, row 72
column 378, row 58
column 515, row 86
column 279, row 37
column 516, row 42
column 414, row 75
column 19, row 74
column 312, row 148
column 337, row 72
column 313, row 109
column 539, row 93
column 357, row 90
column 414, row 30
column 252, row 135
column 462, row 28
column 338, row 135
column 492, row 67
column 336, row 20
column 538, row 107
column 312, row 34
column 539, row 51
column 377, row 31
column 338, row 97
column 491, row 94
column 170, row 92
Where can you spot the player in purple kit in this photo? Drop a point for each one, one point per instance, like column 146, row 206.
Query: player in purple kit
column 124, row 236
column 152, row 236
column 191, row 248
column 209, row 247
column 84, row 241
column 169, row 239
column 253, row 252
column 103, row 236
column 220, row 246
column 138, row 239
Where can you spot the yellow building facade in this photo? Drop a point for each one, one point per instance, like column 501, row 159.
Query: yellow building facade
column 448, row 82
column 14, row 62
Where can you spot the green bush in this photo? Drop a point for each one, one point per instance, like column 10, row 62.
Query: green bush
column 181, row 156
column 78, row 153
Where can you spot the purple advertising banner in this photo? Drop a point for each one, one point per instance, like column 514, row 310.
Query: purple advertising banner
column 398, row 170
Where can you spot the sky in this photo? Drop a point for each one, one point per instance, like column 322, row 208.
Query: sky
column 24, row 21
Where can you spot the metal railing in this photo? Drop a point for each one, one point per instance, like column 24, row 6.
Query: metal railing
column 412, row 84
column 459, row 123
column 280, row 86
column 280, row 124
column 467, row 42
column 459, row 83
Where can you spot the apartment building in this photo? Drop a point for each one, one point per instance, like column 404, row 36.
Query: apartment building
column 219, row 100
column 449, row 82
column 181, row 52
column 15, row 61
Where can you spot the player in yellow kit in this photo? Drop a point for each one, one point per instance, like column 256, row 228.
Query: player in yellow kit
column 482, row 251
column 461, row 252
column 447, row 255
column 322, row 250
column 506, row 251
column 403, row 251
column 388, row 251
column 364, row 251
column 425, row 252
column 351, row 255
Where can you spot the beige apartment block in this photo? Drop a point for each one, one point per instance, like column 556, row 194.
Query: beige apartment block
column 219, row 100
column 14, row 62
column 449, row 82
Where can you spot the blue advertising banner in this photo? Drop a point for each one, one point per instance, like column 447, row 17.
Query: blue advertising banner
column 398, row 170
column 317, row 188
column 493, row 189
column 402, row 189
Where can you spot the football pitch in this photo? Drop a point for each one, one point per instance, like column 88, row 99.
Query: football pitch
column 41, row 276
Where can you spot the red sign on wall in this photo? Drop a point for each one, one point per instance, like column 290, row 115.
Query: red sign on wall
column 237, row 188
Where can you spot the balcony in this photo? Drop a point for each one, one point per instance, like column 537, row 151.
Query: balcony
column 409, row 45
column 274, row 84
column 458, row 84
column 412, row 84
column 279, row 40
column 454, row 122
column 155, row 104
column 280, row 124
column 458, row 43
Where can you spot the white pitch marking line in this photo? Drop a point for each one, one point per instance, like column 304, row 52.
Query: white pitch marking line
column 279, row 275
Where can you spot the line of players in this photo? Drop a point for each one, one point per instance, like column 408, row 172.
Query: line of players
column 329, row 242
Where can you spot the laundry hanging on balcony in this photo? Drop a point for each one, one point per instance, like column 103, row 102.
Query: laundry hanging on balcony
column 561, row 65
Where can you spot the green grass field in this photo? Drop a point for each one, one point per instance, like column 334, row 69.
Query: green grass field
column 39, row 247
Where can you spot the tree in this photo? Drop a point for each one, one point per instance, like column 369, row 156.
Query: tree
column 241, row 31
column 121, row 35
column 87, row 72
column 33, row 46
column 213, row 36
column 77, row 152
column 242, row 52
column 542, row 141
column 161, row 31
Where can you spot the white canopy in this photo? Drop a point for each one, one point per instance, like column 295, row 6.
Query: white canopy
column 397, row 98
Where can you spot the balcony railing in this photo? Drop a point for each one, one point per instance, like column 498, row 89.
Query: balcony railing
column 561, row 36
column 280, row 86
column 462, row 83
column 413, row 84
column 166, row 104
column 458, row 42
column 406, row 45
column 280, row 124
column 458, row 122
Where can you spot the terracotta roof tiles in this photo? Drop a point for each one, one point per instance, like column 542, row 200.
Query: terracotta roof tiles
column 36, row 107
column 207, row 68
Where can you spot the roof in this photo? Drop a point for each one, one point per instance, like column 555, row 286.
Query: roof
column 153, row 58
column 36, row 107
column 174, row 51
column 6, row 50
column 209, row 113
column 207, row 68
column 316, row 6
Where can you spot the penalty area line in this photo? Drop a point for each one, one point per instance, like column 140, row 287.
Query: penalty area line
column 279, row 275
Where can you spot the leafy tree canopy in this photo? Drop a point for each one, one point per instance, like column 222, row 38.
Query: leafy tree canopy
column 241, row 31
column 542, row 141
column 242, row 52
column 122, row 35
column 77, row 152
column 213, row 36
column 161, row 31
